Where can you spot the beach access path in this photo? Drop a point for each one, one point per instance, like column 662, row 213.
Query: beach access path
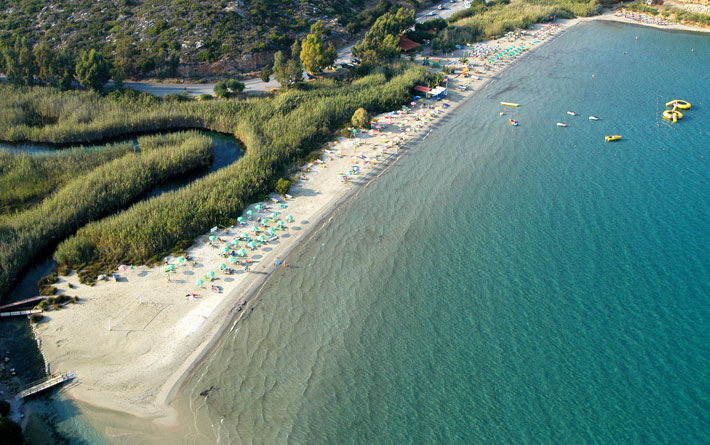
column 132, row 342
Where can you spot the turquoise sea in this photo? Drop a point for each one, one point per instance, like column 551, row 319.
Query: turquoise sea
column 498, row 284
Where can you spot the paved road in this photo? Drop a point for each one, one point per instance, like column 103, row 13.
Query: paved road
column 256, row 86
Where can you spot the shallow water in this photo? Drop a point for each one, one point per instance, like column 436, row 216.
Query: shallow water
column 499, row 284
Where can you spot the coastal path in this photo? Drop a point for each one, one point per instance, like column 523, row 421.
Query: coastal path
column 43, row 384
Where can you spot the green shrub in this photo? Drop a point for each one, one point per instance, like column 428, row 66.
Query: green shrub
column 34, row 318
column 360, row 118
column 282, row 186
column 47, row 290
column 205, row 96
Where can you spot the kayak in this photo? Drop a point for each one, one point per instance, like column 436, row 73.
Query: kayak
column 572, row 113
column 513, row 122
column 562, row 124
column 593, row 118
column 614, row 137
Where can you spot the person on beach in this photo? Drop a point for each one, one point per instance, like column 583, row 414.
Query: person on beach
column 168, row 278
column 285, row 264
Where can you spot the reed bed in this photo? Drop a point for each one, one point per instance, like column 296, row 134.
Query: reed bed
column 106, row 189
column 26, row 178
column 497, row 18
column 275, row 131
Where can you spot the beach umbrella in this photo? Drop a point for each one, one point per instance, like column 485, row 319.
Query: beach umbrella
column 210, row 274
column 242, row 252
column 168, row 268
column 274, row 215
column 289, row 218
column 252, row 244
column 181, row 259
column 255, row 229
column 272, row 232
column 222, row 266
column 280, row 223
column 250, row 213
column 259, row 207
column 262, row 238
column 234, row 242
column 199, row 282
column 232, row 259
column 212, row 237
column 225, row 249
column 245, row 235
column 240, row 219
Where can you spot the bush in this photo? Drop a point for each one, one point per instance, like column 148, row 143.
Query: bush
column 282, row 186
column 235, row 86
column 360, row 118
column 205, row 97
column 56, row 307
column 220, row 89
column 34, row 318
column 47, row 290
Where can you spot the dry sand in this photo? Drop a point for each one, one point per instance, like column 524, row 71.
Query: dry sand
column 158, row 334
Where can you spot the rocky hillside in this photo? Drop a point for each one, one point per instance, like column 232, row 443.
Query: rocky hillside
column 173, row 37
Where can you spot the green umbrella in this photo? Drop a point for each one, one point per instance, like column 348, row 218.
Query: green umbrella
column 252, row 244
column 274, row 215
column 225, row 249
column 212, row 237
column 210, row 274
column 242, row 252
column 255, row 229
column 245, row 235
column 232, row 259
column 259, row 207
column 168, row 268
column 199, row 282
column 181, row 259
column 280, row 223
column 289, row 218
column 222, row 266
column 234, row 242
column 262, row 238
column 271, row 232
column 250, row 212
column 240, row 219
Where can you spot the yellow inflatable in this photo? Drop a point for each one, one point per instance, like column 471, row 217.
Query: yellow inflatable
column 672, row 115
column 681, row 104
column 613, row 137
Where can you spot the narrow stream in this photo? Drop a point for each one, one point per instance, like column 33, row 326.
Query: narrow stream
column 16, row 340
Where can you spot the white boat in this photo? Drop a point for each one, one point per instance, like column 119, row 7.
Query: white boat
column 571, row 113
column 593, row 118
column 562, row 124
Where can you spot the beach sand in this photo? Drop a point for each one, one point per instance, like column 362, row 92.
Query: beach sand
column 158, row 334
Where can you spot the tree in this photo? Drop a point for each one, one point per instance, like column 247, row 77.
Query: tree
column 124, row 62
column 93, row 70
column 314, row 56
column 360, row 118
column 280, row 69
column 46, row 62
column 265, row 73
column 282, row 186
column 235, row 86
column 220, row 89
column 294, row 71
column 296, row 49
column 381, row 42
column 19, row 62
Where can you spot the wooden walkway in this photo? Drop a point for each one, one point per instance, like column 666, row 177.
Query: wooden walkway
column 43, row 384
column 18, row 313
column 21, row 303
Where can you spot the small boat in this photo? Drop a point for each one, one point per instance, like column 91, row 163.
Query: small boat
column 673, row 115
column 509, row 104
column 593, row 118
column 613, row 137
column 562, row 124
column 572, row 113
column 513, row 122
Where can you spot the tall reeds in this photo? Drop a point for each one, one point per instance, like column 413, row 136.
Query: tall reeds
column 106, row 189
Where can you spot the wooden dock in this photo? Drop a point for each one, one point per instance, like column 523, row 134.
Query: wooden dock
column 43, row 384
column 18, row 313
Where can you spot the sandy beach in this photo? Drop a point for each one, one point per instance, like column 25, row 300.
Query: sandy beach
column 132, row 342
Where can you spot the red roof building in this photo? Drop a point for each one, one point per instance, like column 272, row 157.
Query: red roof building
column 407, row 45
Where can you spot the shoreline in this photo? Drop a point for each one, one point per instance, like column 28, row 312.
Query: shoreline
column 225, row 314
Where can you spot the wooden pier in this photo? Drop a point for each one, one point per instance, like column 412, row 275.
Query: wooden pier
column 18, row 313
column 43, row 384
